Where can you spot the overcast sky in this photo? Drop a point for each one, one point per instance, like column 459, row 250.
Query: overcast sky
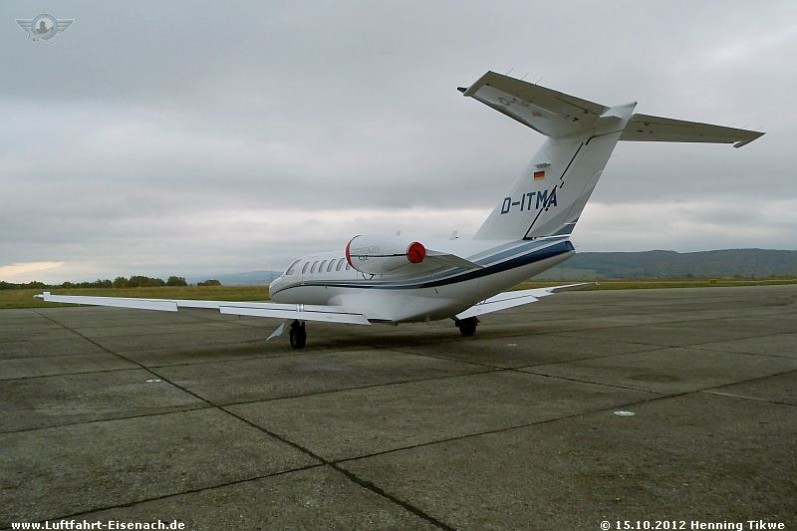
column 209, row 137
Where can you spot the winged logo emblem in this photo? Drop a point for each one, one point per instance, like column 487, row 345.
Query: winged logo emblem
column 44, row 27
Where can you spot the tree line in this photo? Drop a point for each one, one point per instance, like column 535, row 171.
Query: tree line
column 135, row 281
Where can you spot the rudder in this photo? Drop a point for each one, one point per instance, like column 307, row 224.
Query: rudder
column 548, row 198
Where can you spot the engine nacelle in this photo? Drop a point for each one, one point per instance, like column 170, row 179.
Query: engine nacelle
column 379, row 255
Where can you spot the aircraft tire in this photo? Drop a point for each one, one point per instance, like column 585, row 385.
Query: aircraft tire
column 467, row 327
column 298, row 335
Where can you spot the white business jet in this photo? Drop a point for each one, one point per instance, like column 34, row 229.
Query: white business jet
column 401, row 279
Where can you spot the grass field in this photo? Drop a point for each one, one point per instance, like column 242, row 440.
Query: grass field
column 23, row 298
column 658, row 284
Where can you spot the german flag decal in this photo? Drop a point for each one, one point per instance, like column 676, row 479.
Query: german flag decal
column 539, row 174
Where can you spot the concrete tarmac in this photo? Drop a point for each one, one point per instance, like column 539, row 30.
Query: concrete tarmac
column 664, row 405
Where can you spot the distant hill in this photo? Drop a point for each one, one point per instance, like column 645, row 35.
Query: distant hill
column 659, row 264
column 726, row 263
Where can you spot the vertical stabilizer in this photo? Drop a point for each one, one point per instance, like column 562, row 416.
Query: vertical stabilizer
column 549, row 196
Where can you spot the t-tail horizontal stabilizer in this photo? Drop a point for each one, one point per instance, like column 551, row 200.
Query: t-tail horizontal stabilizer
column 558, row 115
column 645, row 128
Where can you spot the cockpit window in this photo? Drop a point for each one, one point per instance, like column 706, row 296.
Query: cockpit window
column 292, row 267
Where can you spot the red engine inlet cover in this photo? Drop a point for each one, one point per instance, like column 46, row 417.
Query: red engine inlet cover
column 348, row 251
column 416, row 252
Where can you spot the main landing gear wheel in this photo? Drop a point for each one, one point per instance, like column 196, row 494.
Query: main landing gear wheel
column 298, row 335
column 467, row 327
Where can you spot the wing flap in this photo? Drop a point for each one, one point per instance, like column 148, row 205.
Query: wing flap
column 289, row 311
column 643, row 127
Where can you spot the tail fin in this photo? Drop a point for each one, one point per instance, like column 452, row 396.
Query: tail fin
column 548, row 198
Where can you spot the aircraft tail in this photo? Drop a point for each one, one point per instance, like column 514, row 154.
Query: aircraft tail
column 549, row 196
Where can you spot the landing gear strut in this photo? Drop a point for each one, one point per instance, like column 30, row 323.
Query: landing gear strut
column 298, row 334
column 467, row 327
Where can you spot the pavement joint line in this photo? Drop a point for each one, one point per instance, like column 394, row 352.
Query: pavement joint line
column 97, row 371
column 351, row 476
column 693, row 345
column 175, row 494
column 756, row 354
column 380, row 491
column 755, row 398
column 359, row 387
column 444, row 358
column 82, row 335
column 715, row 390
column 290, row 354
column 658, row 398
column 205, row 362
column 576, row 380
column 544, row 363
column 287, row 354
column 662, row 395
column 12, row 341
column 501, row 367
column 504, row 429
column 676, row 321
column 84, row 331
column 109, row 419
column 756, row 378
column 650, row 351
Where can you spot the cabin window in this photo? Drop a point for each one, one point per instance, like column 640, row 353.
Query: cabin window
column 340, row 264
column 292, row 267
column 348, row 266
column 304, row 269
column 331, row 264
column 321, row 267
column 315, row 267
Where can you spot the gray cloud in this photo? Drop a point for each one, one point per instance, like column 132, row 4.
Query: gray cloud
column 187, row 136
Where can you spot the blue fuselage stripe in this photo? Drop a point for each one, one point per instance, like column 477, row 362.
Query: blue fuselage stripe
column 519, row 261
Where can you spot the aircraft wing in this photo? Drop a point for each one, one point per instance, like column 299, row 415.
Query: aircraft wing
column 510, row 299
column 302, row 312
